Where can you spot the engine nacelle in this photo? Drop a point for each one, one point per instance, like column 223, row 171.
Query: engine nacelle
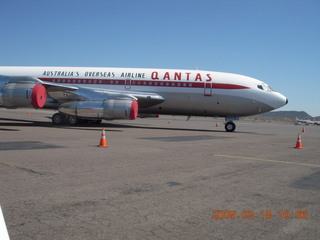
column 108, row 109
column 22, row 95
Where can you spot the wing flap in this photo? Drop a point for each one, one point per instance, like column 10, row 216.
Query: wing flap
column 145, row 99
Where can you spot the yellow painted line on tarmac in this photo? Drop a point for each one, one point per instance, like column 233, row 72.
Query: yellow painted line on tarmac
column 11, row 165
column 268, row 160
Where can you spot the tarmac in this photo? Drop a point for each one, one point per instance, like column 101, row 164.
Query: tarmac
column 163, row 178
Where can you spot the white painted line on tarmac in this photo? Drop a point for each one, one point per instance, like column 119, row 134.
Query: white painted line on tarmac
column 268, row 160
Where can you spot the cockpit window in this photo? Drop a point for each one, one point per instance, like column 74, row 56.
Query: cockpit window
column 260, row 87
column 267, row 88
column 264, row 87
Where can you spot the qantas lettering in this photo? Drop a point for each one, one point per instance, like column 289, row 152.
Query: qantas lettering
column 180, row 76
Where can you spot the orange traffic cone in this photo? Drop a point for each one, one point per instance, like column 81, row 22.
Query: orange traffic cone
column 103, row 139
column 299, row 142
column 303, row 130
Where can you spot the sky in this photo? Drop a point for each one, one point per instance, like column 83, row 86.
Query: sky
column 276, row 41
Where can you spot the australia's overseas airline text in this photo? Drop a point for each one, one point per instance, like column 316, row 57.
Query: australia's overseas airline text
column 155, row 75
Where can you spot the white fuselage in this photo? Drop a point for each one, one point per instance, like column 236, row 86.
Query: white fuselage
column 186, row 92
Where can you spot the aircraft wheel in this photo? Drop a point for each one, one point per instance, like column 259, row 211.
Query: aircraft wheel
column 96, row 121
column 58, row 118
column 230, row 126
column 72, row 120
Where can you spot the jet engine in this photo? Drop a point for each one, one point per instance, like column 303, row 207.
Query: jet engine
column 22, row 94
column 108, row 109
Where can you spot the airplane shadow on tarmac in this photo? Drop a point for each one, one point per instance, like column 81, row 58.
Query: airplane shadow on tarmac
column 11, row 122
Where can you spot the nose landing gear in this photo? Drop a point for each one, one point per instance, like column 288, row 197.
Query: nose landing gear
column 230, row 126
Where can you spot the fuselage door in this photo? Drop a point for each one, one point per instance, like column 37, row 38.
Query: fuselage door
column 207, row 89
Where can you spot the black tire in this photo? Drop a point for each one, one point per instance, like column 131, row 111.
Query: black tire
column 72, row 120
column 230, row 127
column 96, row 121
column 58, row 119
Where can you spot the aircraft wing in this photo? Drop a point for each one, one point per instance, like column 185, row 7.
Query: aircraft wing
column 54, row 87
column 58, row 94
column 64, row 93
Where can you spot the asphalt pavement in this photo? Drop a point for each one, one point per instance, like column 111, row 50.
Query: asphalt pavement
column 163, row 178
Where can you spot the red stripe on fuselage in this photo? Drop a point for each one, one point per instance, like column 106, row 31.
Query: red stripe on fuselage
column 142, row 83
column 228, row 86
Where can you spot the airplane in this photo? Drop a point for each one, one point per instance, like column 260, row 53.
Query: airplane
column 93, row 94
column 304, row 121
column 307, row 121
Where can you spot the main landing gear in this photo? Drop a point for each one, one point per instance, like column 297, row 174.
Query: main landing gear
column 64, row 119
column 59, row 118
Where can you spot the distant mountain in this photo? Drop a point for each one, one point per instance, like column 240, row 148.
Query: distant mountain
column 282, row 115
column 287, row 114
column 316, row 118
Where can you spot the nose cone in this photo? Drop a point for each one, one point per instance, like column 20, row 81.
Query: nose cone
column 278, row 100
